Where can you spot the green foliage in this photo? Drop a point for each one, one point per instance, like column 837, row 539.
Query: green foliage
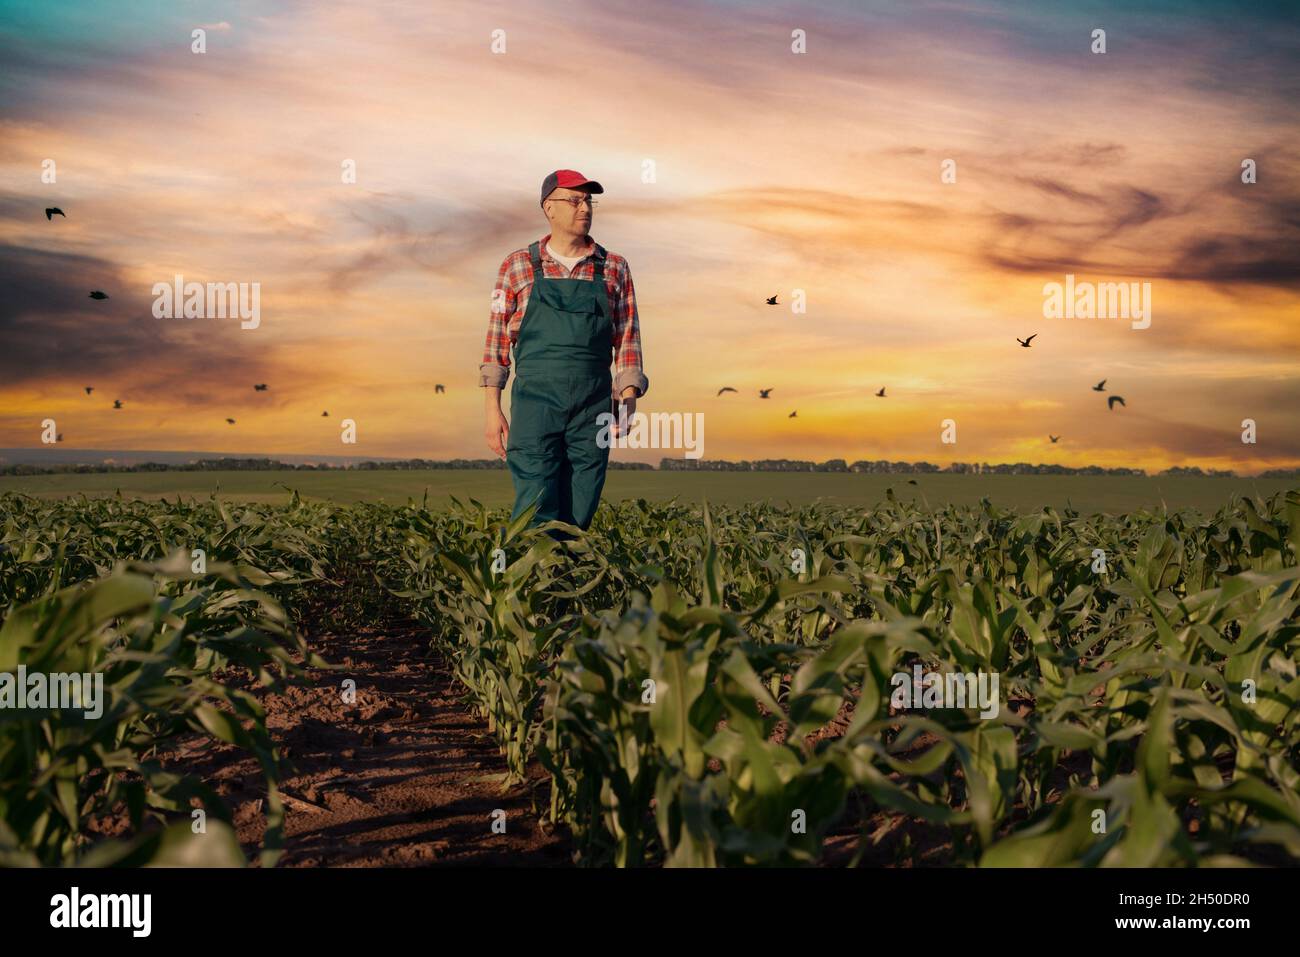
column 165, row 640
column 703, row 686
column 697, row 702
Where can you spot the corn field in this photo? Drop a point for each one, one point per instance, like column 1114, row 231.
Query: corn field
column 699, row 686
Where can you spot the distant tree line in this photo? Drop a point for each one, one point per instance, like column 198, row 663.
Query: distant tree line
column 884, row 467
column 270, row 465
column 879, row 467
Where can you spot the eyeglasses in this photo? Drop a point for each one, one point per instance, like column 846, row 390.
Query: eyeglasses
column 574, row 201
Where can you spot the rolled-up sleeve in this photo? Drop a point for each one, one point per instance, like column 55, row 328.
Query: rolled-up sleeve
column 627, row 338
column 495, row 368
column 491, row 374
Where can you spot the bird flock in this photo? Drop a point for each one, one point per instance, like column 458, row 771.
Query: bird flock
column 99, row 295
column 1111, row 400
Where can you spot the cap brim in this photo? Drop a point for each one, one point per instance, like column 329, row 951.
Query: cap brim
column 590, row 184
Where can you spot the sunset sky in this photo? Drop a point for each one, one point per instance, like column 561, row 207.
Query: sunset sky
column 774, row 171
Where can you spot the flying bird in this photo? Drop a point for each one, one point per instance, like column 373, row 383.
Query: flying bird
column 117, row 403
column 1054, row 438
column 50, row 211
column 439, row 388
column 793, row 414
column 259, row 387
column 1110, row 402
column 1100, row 386
column 230, row 421
column 725, row 388
column 1025, row 342
column 771, row 301
column 764, row 393
column 881, row 393
column 89, row 389
column 96, row 294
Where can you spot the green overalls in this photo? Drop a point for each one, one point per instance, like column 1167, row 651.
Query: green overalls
column 562, row 383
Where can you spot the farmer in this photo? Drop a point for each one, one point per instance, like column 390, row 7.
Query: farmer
column 567, row 305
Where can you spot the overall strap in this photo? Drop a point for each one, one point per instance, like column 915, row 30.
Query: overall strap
column 535, row 254
column 598, row 277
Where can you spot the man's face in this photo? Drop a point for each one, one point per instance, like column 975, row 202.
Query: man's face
column 575, row 218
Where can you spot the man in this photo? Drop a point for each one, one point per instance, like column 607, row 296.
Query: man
column 566, row 304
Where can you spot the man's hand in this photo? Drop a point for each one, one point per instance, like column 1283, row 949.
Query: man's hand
column 626, row 409
column 497, row 429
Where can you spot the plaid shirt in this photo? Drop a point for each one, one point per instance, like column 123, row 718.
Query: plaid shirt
column 510, row 299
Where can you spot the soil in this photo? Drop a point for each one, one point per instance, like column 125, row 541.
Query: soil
column 404, row 776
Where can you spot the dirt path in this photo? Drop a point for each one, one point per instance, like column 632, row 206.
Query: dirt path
column 404, row 777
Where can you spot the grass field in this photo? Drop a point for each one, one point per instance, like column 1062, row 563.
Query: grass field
column 1088, row 494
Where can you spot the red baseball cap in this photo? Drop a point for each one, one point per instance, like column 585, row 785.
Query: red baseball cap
column 569, row 179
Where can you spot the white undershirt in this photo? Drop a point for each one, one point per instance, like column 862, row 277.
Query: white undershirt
column 567, row 261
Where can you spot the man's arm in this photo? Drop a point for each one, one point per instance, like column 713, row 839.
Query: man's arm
column 495, row 368
column 496, row 429
column 629, row 378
